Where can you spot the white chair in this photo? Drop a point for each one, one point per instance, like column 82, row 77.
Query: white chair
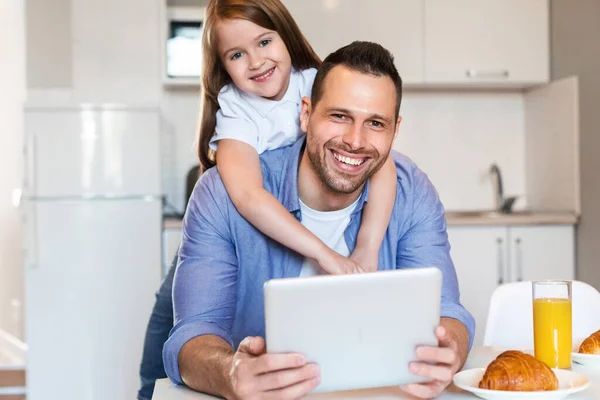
column 510, row 317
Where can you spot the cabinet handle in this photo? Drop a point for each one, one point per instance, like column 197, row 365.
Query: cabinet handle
column 473, row 73
column 519, row 253
column 500, row 260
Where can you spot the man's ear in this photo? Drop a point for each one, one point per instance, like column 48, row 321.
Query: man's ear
column 398, row 121
column 305, row 114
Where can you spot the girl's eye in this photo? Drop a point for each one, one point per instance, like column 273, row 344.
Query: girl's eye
column 236, row 56
column 264, row 42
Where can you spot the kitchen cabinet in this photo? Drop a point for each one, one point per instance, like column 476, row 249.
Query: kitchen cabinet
column 397, row 25
column 488, row 256
column 486, row 42
column 541, row 252
column 477, row 253
column 436, row 43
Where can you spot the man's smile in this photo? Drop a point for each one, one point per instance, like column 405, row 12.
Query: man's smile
column 351, row 163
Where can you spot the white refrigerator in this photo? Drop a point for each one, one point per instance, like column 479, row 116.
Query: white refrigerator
column 92, row 247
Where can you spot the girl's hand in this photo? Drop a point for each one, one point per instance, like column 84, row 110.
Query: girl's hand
column 336, row 264
column 367, row 259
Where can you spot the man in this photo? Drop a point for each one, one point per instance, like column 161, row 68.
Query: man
column 217, row 293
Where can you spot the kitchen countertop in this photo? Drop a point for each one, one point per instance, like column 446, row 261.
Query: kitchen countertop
column 172, row 223
column 476, row 218
column 490, row 218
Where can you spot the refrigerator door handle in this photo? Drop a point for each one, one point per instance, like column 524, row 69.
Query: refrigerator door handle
column 30, row 251
column 29, row 157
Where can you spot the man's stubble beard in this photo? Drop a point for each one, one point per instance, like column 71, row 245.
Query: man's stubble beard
column 340, row 182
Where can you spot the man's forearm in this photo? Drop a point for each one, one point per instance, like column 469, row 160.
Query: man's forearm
column 205, row 363
column 460, row 334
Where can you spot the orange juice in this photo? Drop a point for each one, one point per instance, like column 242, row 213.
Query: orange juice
column 552, row 331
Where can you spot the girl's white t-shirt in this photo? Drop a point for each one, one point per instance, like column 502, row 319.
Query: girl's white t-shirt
column 264, row 124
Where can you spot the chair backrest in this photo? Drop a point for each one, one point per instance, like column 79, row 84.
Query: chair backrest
column 510, row 317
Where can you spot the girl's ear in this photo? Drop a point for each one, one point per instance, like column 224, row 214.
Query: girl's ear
column 305, row 114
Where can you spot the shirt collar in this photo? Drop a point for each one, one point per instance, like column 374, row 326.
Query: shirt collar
column 289, row 180
column 265, row 106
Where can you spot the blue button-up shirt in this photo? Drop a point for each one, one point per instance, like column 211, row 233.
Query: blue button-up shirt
column 225, row 261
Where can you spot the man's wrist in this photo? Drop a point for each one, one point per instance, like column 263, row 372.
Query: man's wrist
column 205, row 363
column 227, row 386
column 459, row 334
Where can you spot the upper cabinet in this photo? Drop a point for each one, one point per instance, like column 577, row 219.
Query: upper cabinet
column 435, row 43
column 486, row 42
column 395, row 24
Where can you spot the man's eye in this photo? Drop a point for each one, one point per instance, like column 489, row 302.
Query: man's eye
column 264, row 42
column 376, row 124
column 338, row 116
column 235, row 56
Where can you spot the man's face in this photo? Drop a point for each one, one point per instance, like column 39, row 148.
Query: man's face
column 351, row 129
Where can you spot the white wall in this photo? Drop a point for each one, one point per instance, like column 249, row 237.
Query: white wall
column 180, row 108
column 49, row 50
column 106, row 51
column 12, row 96
column 569, row 26
column 454, row 136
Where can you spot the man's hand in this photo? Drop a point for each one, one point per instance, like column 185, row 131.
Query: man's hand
column 440, row 363
column 335, row 264
column 258, row 375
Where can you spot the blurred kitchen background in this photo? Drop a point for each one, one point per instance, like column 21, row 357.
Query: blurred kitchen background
column 98, row 112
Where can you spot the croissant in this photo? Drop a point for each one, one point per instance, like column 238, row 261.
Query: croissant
column 591, row 345
column 516, row 371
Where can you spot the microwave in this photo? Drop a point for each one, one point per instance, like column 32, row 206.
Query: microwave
column 182, row 45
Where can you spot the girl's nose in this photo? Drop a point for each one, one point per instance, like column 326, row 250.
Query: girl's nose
column 256, row 62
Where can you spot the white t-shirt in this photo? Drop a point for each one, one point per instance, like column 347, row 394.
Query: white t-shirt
column 262, row 123
column 328, row 226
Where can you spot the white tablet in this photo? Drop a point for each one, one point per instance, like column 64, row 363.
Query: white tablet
column 362, row 330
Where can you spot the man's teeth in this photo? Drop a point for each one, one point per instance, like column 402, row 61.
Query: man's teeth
column 348, row 160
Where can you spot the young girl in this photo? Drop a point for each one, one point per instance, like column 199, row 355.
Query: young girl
column 257, row 67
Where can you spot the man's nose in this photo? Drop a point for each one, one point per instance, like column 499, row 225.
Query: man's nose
column 354, row 136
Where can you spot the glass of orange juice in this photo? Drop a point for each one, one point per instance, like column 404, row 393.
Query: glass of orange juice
column 552, row 331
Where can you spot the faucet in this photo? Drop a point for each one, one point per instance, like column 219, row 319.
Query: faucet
column 503, row 205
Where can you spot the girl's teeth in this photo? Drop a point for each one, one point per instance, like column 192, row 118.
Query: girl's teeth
column 264, row 75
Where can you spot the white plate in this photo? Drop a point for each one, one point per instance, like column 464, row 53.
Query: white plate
column 587, row 360
column 568, row 383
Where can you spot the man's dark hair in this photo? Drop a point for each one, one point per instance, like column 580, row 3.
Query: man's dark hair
column 366, row 57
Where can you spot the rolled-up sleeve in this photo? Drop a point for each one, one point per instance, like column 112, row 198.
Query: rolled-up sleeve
column 425, row 243
column 204, row 289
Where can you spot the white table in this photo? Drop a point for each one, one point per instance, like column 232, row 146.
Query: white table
column 479, row 357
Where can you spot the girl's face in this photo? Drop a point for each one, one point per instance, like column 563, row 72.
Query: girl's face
column 255, row 58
